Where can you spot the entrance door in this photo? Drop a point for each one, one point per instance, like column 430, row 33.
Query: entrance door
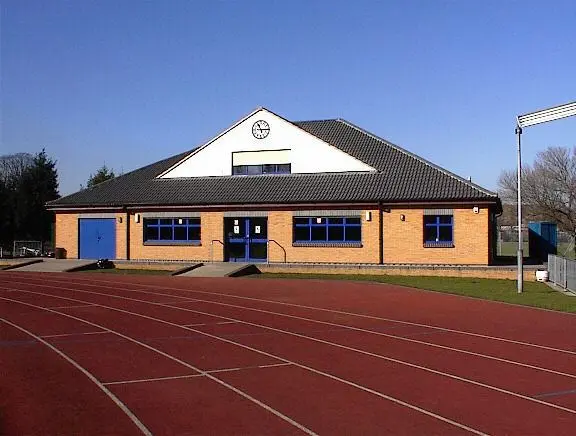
column 97, row 238
column 246, row 239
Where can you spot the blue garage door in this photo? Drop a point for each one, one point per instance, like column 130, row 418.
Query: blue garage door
column 97, row 238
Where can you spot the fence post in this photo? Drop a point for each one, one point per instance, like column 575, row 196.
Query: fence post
column 565, row 281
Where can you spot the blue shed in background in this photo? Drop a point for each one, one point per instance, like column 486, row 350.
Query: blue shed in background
column 542, row 239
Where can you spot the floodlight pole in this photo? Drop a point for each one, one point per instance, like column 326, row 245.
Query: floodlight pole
column 520, row 253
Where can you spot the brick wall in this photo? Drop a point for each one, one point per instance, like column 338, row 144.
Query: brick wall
column 67, row 233
column 403, row 240
column 212, row 228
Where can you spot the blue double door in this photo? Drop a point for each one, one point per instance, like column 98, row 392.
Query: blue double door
column 246, row 239
column 97, row 238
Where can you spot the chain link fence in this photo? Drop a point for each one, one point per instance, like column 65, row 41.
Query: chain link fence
column 562, row 272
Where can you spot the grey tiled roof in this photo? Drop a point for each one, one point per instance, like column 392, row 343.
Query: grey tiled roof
column 401, row 177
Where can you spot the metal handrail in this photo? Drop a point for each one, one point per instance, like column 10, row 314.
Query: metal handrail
column 268, row 250
column 212, row 248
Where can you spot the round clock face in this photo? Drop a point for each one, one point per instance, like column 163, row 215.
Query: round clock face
column 260, row 129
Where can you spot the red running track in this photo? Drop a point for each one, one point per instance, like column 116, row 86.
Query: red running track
column 87, row 354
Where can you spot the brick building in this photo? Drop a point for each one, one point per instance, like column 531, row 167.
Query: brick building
column 268, row 189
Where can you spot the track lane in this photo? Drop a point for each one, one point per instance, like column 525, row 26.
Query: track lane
column 73, row 406
column 567, row 367
column 366, row 362
column 425, row 419
column 264, row 420
column 562, row 325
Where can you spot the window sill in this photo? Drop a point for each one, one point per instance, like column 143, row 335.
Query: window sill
column 328, row 244
column 438, row 244
column 179, row 243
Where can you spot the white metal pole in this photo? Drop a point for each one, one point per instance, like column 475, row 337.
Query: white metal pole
column 520, row 253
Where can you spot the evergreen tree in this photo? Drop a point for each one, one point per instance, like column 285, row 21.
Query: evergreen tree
column 103, row 174
column 37, row 185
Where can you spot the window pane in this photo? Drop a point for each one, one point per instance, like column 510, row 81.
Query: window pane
column 254, row 169
column 283, row 169
column 319, row 233
column 430, row 233
column 301, row 221
column 318, row 221
column 445, row 219
column 166, row 221
column 335, row 220
column 353, row 234
column 239, row 169
column 352, row 220
column 268, row 169
column 180, row 233
column 336, row 233
column 446, row 233
column 150, row 233
column 429, row 219
column 195, row 221
column 302, row 233
column 193, row 233
column 148, row 221
column 166, row 233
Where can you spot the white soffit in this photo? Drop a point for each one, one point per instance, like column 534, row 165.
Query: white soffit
column 305, row 152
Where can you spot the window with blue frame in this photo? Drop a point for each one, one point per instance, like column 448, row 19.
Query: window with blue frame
column 250, row 170
column 172, row 230
column 438, row 231
column 327, row 230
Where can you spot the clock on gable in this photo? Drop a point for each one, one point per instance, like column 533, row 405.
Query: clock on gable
column 260, row 129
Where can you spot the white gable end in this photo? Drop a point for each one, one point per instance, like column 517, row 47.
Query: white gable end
column 284, row 143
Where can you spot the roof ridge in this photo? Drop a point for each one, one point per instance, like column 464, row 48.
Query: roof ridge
column 315, row 121
column 418, row 158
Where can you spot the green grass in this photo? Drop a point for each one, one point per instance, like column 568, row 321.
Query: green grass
column 535, row 294
column 122, row 271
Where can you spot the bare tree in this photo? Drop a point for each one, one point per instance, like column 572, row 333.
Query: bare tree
column 548, row 187
column 12, row 166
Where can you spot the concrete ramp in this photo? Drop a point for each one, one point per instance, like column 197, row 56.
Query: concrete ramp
column 222, row 269
column 55, row 265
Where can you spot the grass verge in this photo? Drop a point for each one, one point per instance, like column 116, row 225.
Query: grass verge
column 535, row 294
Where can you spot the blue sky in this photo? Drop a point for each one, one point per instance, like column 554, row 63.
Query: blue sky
column 126, row 83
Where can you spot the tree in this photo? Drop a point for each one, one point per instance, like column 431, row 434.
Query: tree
column 37, row 185
column 12, row 166
column 103, row 174
column 548, row 188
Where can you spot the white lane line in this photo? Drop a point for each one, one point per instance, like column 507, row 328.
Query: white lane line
column 146, row 380
column 274, row 365
column 336, row 345
column 71, row 334
column 348, row 382
column 344, row 326
column 339, row 312
column 178, row 377
column 210, row 376
column 70, row 307
column 206, row 323
column 92, row 378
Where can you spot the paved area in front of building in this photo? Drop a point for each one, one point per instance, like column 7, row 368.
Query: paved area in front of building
column 220, row 269
column 55, row 265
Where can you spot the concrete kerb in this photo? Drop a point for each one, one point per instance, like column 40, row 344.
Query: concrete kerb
column 186, row 269
column 20, row 264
